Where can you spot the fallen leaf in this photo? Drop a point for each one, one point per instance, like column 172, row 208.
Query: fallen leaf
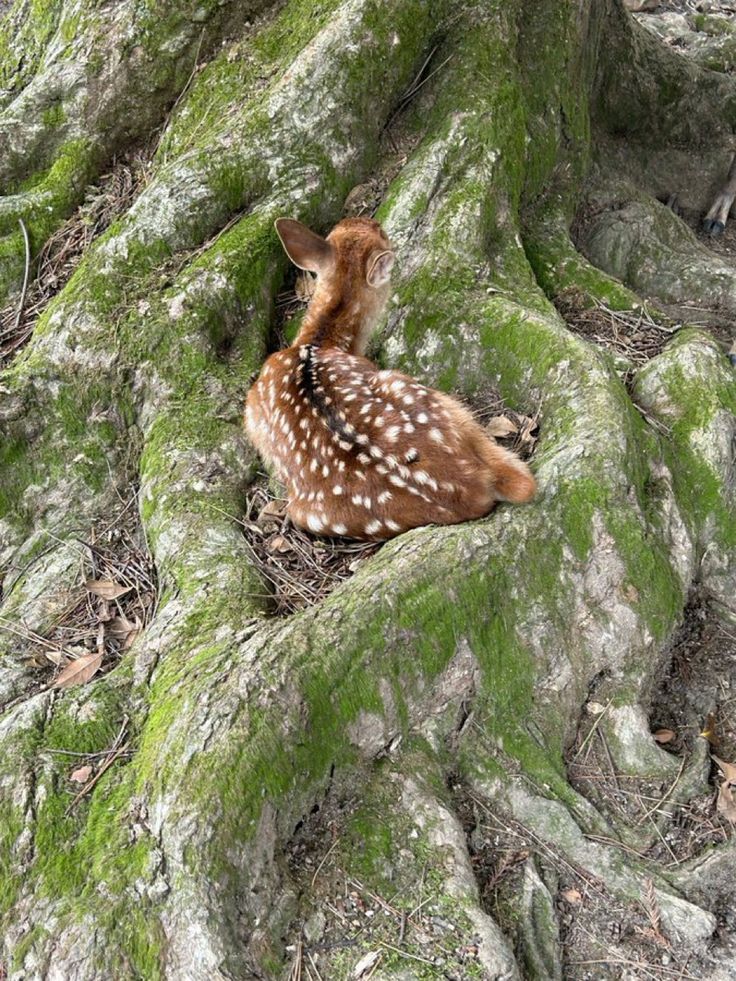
column 79, row 671
column 366, row 963
column 274, row 509
column 727, row 769
column 81, row 774
column 106, row 588
column 103, row 613
column 572, row 895
column 120, row 627
column 709, row 731
column 664, row 736
column 528, row 429
column 55, row 657
column 500, row 427
column 279, row 544
column 725, row 804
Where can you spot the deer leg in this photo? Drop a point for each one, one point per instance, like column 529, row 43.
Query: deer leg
column 715, row 221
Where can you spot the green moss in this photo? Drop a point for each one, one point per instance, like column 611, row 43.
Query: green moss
column 244, row 67
column 24, row 34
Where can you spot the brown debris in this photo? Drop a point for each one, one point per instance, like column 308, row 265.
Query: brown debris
column 113, row 600
column 634, row 334
column 302, row 569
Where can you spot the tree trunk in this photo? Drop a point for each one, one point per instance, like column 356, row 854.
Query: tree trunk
column 260, row 780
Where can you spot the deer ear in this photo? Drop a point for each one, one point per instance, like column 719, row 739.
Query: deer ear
column 305, row 248
column 379, row 268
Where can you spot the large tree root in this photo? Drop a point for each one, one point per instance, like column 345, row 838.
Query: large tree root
column 457, row 660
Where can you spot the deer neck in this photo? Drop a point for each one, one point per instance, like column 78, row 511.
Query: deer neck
column 336, row 320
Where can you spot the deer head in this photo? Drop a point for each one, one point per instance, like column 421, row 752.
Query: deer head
column 353, row 269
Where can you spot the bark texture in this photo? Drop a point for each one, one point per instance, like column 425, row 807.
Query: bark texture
column 457, row 657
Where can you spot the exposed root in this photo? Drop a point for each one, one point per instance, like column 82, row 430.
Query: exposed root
column 63, row 251
column 106, row 610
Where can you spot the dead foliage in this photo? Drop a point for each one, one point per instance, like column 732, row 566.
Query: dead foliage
column 302, row 569
column 633, row 334
column 62, row 253
column 110, row 605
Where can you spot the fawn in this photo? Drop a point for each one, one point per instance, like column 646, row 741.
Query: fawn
column 365, row 453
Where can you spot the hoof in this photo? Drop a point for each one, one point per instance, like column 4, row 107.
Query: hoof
column 714, row 227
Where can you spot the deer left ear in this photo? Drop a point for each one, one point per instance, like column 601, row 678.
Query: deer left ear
column 379, row 268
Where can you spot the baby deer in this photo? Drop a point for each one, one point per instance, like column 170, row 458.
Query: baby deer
column 366, row 453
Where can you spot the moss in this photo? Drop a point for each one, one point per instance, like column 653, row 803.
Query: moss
column 242, row 67
column 24, row 34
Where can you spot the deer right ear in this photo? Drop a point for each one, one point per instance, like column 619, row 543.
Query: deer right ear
column 305, row 248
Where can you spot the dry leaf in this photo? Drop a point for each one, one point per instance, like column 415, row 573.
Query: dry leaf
column 366, row 963
column 82, row 774
column 103, row 613
column 528, row 429
column 106, row 588
column 55, row 657
column 279, row 544
column 725, row 804
column 572, row 895
column 709, row 731
column 727, row 769
column 128, row 642
column 500, row 427
column 80, row 671
column 664, row 736
column 120, row 627
column 274, row 509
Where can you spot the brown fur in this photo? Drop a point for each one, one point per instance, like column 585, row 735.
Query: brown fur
column 367, row 453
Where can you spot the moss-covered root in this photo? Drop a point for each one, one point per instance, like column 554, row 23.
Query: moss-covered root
column 648, row 92
column 691, row 389
column 559, row 266
column 643, row 243
column 405, row 849
column 99, row 84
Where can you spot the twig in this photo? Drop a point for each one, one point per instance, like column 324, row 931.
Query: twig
column 668, row 793
column 326, row 856
column 596, row 723
column 405, row 953
column 91, row 783
column 25, row 275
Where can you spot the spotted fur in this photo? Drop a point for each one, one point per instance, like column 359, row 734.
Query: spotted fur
column 366, row 453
